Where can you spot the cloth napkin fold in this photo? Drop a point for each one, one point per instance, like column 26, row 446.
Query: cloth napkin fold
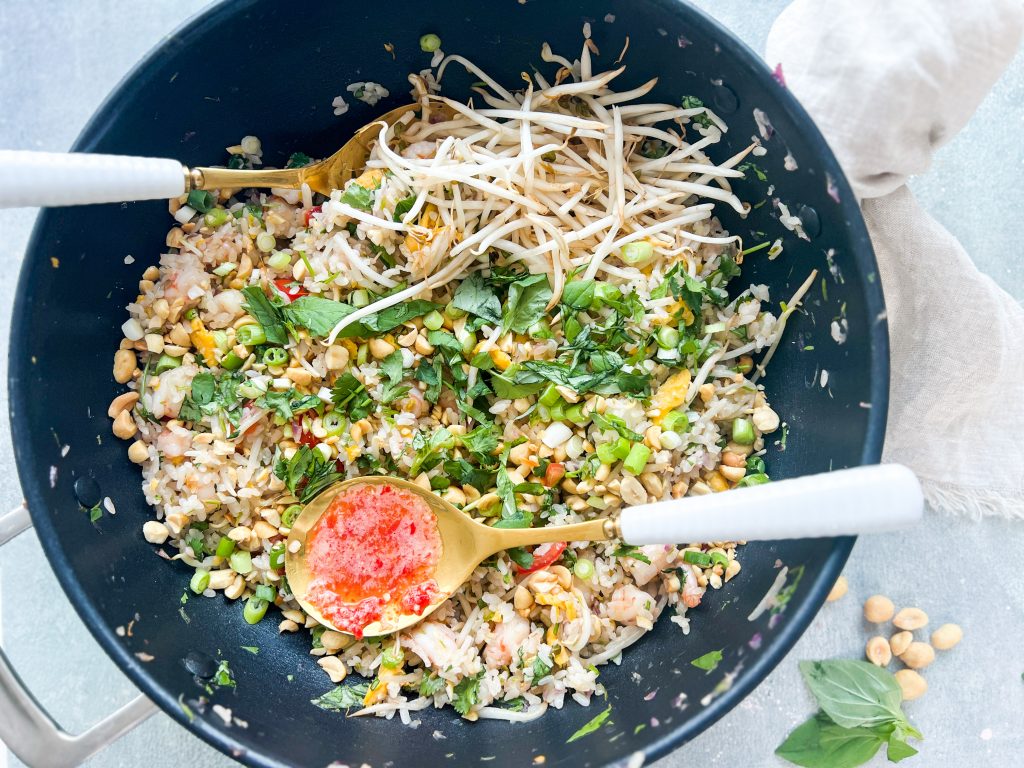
column 888, row 83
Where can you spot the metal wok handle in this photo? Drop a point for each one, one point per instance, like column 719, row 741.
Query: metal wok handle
column 27, row 729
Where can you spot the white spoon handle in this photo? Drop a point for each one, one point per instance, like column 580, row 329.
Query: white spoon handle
column 848, row 501
column 43, row 179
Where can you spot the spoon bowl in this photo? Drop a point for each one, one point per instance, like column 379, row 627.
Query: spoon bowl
column 860, row 500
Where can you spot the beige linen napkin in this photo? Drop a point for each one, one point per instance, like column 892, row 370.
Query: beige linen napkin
column 889, row 82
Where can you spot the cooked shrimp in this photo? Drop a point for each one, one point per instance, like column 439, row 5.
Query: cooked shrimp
column 433, row 643
column 632, row 606
column 222, row 309
column 692, row 591
column 165, row 400
column 658, row 554
column 183, row 278
column 505, row 638
column 423, row 150
column 203, row 484
column 173, row 442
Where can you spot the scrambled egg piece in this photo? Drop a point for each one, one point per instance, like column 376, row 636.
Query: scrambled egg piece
column 671, row 394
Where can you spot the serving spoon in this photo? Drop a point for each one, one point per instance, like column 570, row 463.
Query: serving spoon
column 42, row 179
column 848, row 501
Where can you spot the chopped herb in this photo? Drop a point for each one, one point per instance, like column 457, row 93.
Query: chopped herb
column 342, row 698
column 266, row 314
column 349, row 396
column 540, row 669
column 402, row 207
column 288, row 404
column 307, row 473
column 466, row 693
column 223, row 678
column 316, row 313
column 632, row 551
column 358, row 197
column 253, row 649
column 527, row 303
column 298, row 160
column 591, row 726
column 708, row 662
column 692, row 102
column 431, row 684
column 477, row 298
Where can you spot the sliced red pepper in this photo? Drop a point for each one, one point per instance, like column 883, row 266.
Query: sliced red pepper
column 553, row 474
column 544, row 555
column 290, row 288
column 308, row 214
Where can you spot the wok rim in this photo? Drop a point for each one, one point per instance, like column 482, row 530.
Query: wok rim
column 780, row 643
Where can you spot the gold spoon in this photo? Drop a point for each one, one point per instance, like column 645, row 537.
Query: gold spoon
column 847, row 501
column 53, row 178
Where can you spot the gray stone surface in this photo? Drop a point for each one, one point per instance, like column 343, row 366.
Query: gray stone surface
column 59, row 59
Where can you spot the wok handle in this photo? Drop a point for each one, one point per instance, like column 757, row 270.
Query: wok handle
column 27, row 729
column 869, row 499
column 43, row 179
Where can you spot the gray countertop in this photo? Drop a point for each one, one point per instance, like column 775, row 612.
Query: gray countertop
column 60, row 59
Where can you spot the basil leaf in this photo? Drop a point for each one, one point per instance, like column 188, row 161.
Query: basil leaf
column 444, row 340
column 508, row 389
column 203, row 387
column 387, row 319
column 591, row 726
column 476, row 297
column 854, row 693
column 520, row 557
column 578, row 294
column 527, row 303
column 350, row 396
column 820, row 743
column 402, row 207
column 266, row 314
column 317, row 314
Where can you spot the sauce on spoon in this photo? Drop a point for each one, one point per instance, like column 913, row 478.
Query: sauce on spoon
column 372, row 556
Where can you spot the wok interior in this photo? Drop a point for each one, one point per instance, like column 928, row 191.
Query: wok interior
column 231, row 75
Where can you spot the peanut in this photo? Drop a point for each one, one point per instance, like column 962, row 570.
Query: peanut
column 123, row 402
column 947, row 636
column 899, row 643
column 911, row 684
column 910, row 619
column 918, row 655
column 840, row 588
column 878, row 608
column 878, row 651
column 124, row 365
column 124, row 425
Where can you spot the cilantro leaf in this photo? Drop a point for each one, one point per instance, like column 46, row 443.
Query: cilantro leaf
column 288, row 404
column 389, row 319
column 403, row 206
column 481, row 442
column 431, row 376
column 540, row 669
column 692, row 102
column 298, row 160
column 429, row 450
column 358, row 196
column 306, row 473
column 431, row 685
column 630, row 550
column 466, row 693
column 350, row 396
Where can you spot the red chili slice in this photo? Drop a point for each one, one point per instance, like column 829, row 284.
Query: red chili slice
column 290, row 288
column 544, row 555
column 553, row 474
column 308, row 214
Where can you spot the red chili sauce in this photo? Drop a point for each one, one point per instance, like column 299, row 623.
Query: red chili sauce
column 371, row 556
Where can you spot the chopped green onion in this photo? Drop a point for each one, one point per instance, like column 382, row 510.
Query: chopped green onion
column 166, row 363
column 743, row 431
column 717, row 558
column 714, row 328
column 280, row 261
column 277, row 555
column 216, row 217
column 637, row 458
column 392, row 658
column 225, row 547
column 250, row 390
column 240, row 562
column 231, row 362
column 574, row 413
column 675, row 421
column 693, row 557
column 549, row 396
column 254, row 610
column 275, row 356
column 439, row 483
column 251, row 335
column 755, row 464
column 453, row 312
column 468, row 342
column 333, row 424
column 637, row 253
column 266, row 242
column 616, row 450
column 362, row 354
column 224, row 269
column 667, row 337
column 200, row 581
column 265, row 592
column 359, row 298
column 433, row 321
column 201, row 200
column 744, row 366
column 583, row 569
column 220, row 339
column 759, row 478
column 557, row 411
column 191, row 314
column 430, row 43
column 289, row 516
